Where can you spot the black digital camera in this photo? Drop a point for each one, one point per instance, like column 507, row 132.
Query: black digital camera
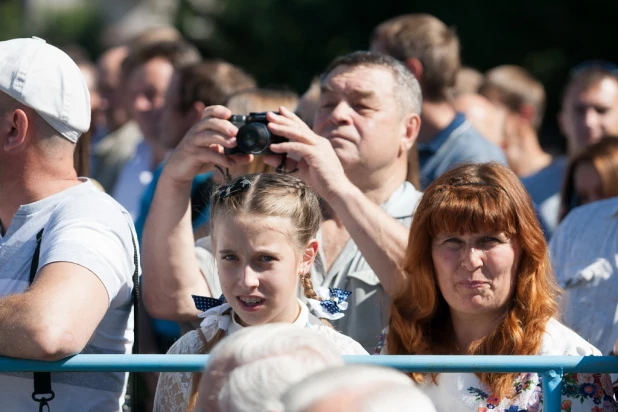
column 253, row 136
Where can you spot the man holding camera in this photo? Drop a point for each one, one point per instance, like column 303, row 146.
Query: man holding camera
column 356, row 159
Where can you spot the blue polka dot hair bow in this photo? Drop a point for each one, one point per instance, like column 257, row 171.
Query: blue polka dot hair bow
column 212, row 311
column 238, row 187
column 332, row 303
column 204, row 303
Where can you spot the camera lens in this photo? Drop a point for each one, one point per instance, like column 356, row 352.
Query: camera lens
column 253, row 138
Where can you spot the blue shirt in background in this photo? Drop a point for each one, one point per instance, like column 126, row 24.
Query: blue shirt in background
column 166, row 328
column 458, row 143
column 544, row 187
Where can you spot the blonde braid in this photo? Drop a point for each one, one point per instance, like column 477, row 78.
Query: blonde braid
column 208, row 345
column 309, row 292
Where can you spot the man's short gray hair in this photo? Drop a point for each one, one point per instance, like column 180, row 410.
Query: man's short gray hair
column 407, row 88
column 364, row 388
column 249, row 370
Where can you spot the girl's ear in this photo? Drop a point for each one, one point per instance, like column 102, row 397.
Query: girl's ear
column 309, row 254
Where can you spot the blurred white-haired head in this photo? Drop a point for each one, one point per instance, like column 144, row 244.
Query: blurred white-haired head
column 359, row 388
column 249, row 370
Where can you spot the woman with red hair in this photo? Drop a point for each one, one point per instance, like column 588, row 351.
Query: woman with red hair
column 477, row 281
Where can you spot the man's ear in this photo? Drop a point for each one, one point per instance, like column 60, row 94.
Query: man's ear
column 195, row 112
column 17, row 129
column 415, row 66
column 309, row 254
column 528, row 112
column 411, row 127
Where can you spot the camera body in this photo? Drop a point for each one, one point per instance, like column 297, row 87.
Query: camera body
column 253, row 136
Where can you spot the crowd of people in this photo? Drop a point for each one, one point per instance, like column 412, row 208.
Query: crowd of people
column 402, row 205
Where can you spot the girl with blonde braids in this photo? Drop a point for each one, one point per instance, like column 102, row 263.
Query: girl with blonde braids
column 263, row 229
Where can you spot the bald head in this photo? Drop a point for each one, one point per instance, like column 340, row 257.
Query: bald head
column 484, row 116
column 109, row 68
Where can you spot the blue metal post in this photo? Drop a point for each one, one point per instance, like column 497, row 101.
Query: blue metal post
column 552, row 390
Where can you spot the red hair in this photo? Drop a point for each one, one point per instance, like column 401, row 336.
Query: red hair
column 470, row 199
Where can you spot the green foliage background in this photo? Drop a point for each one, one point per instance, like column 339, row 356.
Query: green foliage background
column 286, row 42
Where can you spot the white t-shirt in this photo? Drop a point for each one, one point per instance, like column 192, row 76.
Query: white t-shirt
column 85, row 226
column 584, row 254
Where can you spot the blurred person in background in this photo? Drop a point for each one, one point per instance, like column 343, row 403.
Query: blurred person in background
column 113, row 151
column 484, row 116
column 591, row 175
column 584, row 254
column 309, row 102
column 430, row 50
column 146, row 73
column 514, row 90
column 358, row 388
column 589, row 104
column 97, row 130
column 111, row 154
column 79, row 55
column 467, row 80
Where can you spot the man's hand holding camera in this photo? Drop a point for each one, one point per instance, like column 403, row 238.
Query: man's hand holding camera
column 203, row 147
column 313, row 156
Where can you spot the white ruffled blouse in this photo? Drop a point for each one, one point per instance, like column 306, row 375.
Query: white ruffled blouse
column 174, row 388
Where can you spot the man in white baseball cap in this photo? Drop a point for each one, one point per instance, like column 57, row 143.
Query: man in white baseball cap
column 67, row 255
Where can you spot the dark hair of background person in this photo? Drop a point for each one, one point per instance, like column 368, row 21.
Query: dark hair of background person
column 428, row 39
column 515, row 87
column 211, row 82
column 603, row 156
column 178, row 52
column 587, row 74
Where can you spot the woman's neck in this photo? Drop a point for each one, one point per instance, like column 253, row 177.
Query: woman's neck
column 469, row 328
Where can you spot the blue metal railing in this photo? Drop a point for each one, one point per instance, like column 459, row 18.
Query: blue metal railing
column 550, row 367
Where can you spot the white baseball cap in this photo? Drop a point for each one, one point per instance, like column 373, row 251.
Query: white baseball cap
column 44, row 78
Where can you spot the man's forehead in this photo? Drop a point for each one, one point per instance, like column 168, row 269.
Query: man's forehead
column 604, row 88
column 356, row 80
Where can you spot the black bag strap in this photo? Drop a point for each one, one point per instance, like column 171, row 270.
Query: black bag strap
column 43, row 392
column 135, row 351
column 135, row 294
